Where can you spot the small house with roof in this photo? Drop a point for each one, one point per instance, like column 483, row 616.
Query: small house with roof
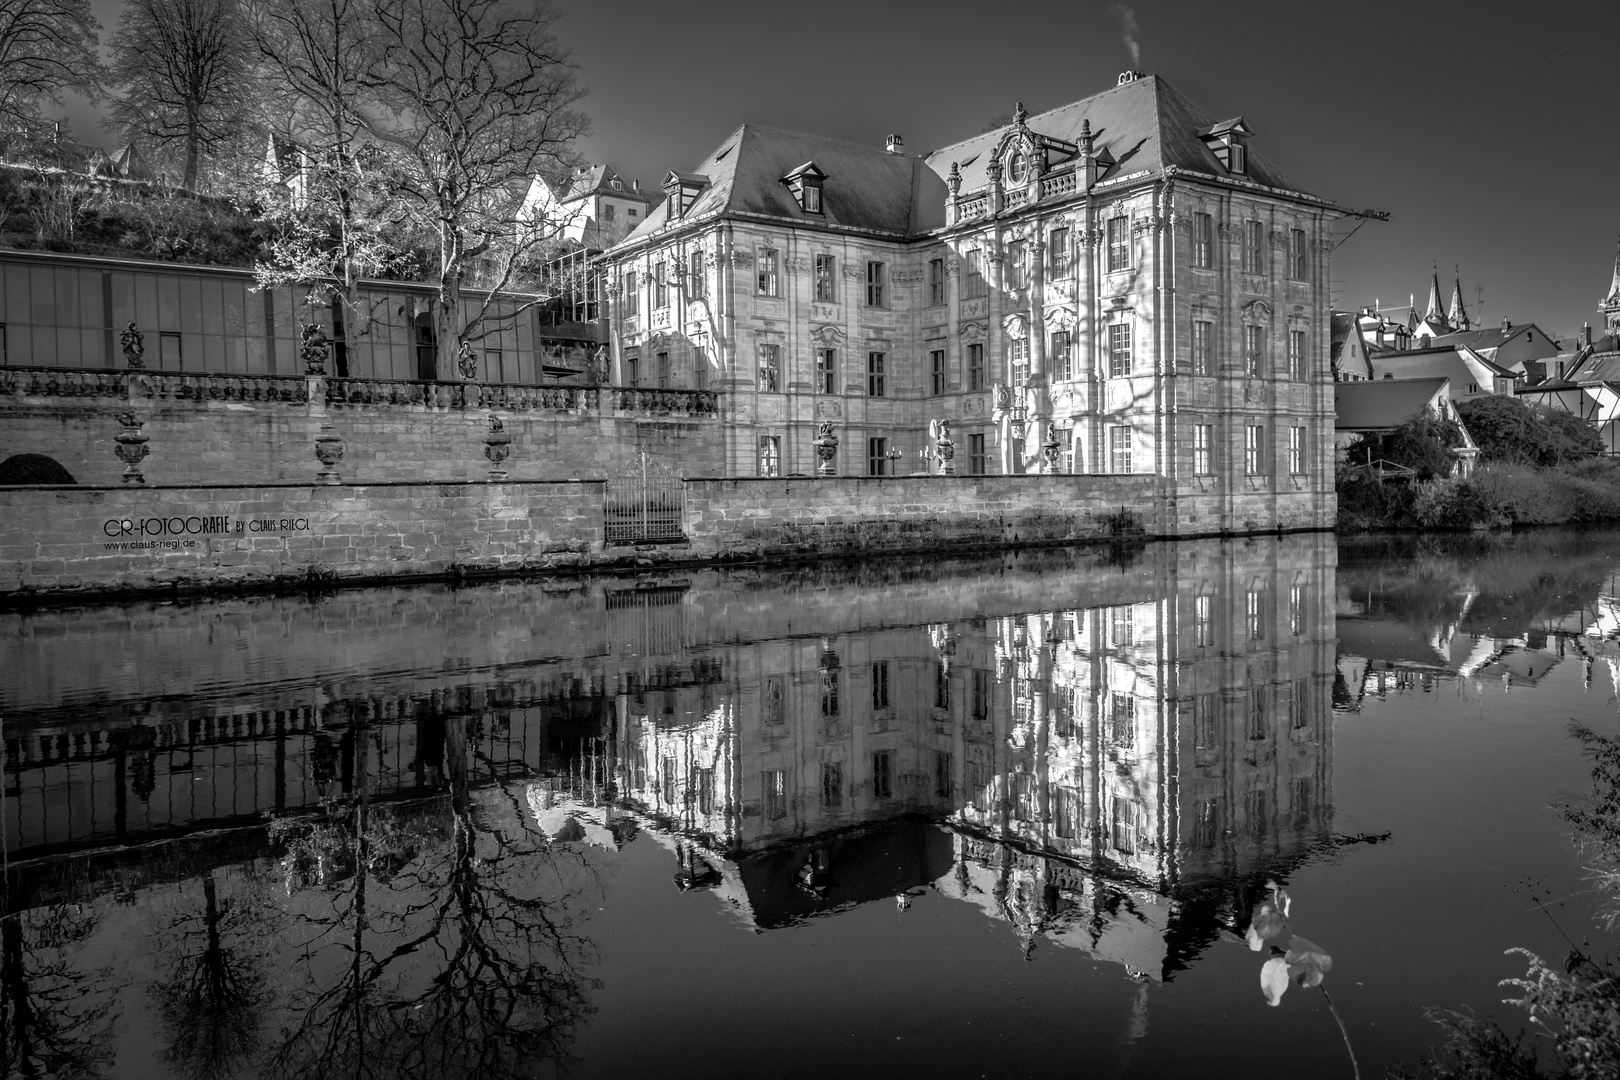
column 1586, row 380
column 1385, row 406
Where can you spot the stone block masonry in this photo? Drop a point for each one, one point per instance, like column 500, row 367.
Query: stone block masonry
column 79, row 541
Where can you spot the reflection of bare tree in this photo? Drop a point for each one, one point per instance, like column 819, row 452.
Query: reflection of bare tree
column 56, row 1017
column 216, row 979
column 446, row 947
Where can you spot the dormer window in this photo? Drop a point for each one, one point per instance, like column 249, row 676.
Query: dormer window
column 1017, row 167
column 805, row 183
column 618, row 185
column 1228, row 141
column 683, row 190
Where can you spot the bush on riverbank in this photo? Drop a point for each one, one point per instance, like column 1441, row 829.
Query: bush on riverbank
column 1496, row 496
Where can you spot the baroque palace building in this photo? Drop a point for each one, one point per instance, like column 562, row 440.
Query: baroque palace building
column 1119, row 285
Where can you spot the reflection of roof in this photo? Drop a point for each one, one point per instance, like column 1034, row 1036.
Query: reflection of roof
column 1383, row 405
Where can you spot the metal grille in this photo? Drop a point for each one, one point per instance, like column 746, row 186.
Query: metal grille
column 643, row 506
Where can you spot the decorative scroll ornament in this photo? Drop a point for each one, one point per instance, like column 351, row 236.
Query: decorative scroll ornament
column 1059, row 318
column 826, row 444
column 132, row 448
column 134, row 346
column 1256, row 311
column 973, row 331
column 312, row 342
column 1016, row 326
column 827, row 336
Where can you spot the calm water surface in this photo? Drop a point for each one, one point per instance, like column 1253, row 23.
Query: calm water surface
column 991, row 817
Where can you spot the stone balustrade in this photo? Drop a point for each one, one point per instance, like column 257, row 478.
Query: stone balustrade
column 171, row 386
column 972, row 208
column 1060, row 184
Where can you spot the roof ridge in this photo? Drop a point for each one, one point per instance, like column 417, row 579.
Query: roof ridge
column 822, row 138
column 1029, row 121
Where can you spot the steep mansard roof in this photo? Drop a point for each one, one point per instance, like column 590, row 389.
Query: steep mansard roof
column 1145, row 125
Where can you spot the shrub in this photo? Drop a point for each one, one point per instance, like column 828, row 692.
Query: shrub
column 1507, row 429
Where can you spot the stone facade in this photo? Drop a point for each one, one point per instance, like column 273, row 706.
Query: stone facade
column 1120, row 276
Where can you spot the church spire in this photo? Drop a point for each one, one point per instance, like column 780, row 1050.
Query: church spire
column 1458, row 315
column 1434, row 311
column 1611, row 303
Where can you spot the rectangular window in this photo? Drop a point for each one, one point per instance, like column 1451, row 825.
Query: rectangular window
column 1058, row 358
column 1254, row 251
column 942, row 774
column 832, row 785
column 826, row 279
column 880, row 685
column 936, row 282
column 770, row 367
column 702, row 785
column 1296, row 354
column 1119, row 350
column 877, row 457
column 1203, row 621
column 607, row 212
column 1301, row 259
column 882, row 775
column 1296, row 611
column 829, row 690
column 1296, row 451
column 1203, row 364
column 1057, row 253
column 1018, row 359
column 1254, row 457
column 1122, row 722
column 767, row 267
column 1119, row 244
column 976, row 460
column 936, row 371
column 942, row 686
column 874, row 284
column 1254, row 615
column 973, row 283
column 981, row 695
column 1203, row 241
column 874, row 375
column 700, row 370
column 1259, row 724
column 770, row 455
column 632, row 370
column 975, row 366
column 1017, row 270
column 1202, row 463
column 1121, row 626
column 775, row 700
column 660, row 287
column 169, row 352
column 827, row 370
column 493, row 369
column 632, row 298
column 1254, row 347
column 1119, row 449
column 665, row 375
column 1065, row 440
column 695, row 281
column 776, row 803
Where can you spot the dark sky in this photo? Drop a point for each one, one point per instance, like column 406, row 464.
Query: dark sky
column 1480, row 128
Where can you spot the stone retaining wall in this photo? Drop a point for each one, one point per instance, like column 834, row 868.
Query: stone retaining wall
column 132, row 539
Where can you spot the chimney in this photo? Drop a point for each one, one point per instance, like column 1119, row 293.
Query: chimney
column 895, row 144
column 1506, row 325
column 1586, row 333
column 635, row 186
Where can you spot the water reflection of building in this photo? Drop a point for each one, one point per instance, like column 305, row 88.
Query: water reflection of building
column 1165, row 744
column 1107, row 749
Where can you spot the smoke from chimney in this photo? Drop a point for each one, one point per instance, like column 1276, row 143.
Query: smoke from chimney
column 1129, row 30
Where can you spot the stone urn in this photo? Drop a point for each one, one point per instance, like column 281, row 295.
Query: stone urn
column 132, row 448
column 944, row 447
column 312, row 342
column 1051, row 448
column 329, row 451
column 497, row 445
column 826, row 444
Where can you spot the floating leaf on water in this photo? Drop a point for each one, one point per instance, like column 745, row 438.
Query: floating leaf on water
column 1307, row 962
column 1268, row 922
column 1274, row 979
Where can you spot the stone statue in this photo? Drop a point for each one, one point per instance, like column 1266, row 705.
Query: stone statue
column 134, row 345
column 599, row 365
column 312, row 342
column 466, row 362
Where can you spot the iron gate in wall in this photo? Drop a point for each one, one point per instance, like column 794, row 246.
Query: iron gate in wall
column 644, row 505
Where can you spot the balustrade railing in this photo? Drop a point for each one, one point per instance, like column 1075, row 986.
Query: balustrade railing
column 1057, row 185
column 972, row 208
column 350, row 392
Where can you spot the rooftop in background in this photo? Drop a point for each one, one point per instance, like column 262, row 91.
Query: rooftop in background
column 1384, row 404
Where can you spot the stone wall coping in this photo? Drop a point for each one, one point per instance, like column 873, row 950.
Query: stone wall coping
column 285, row 484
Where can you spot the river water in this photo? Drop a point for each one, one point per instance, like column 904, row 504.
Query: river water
column 995, row 816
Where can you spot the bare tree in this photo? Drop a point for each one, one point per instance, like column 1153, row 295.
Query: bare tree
column 332, row 209
column 476, row 97
column 46, row 46
column 186, row 67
